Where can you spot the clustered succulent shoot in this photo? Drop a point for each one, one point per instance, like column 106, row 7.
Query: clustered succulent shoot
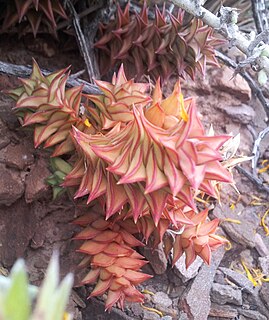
column 22, row 301
column 44, row 101
column 161, row 47
column 33, row 15
column 144, row 158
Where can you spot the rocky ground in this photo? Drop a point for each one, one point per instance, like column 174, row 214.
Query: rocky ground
column 32, row 225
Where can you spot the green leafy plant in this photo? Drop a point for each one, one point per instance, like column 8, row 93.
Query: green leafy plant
column 60, row 169
column 21, row 301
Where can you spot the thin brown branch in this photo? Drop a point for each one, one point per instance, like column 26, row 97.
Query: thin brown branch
column 256, row 90
column 25, row 71
column 255, row 180
column 82, row 42
column 256, row 149
column 260, row 15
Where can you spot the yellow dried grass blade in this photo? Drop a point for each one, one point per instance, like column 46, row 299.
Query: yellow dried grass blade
column 263, row 224
column 152, row 310
column 145, row 291
column 249, row 275
column 232, row 220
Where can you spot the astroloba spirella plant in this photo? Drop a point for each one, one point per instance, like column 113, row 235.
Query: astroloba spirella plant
column 161, row 47
column 32, row 16
column 144, row 158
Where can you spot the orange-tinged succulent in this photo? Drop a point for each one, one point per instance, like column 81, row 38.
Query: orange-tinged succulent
column 143, row 158
column 144, row 161
column 116, row 103
column 36, row 13
column 45, row 103
column 161, row 47
column 115, row 265
column 198, row 239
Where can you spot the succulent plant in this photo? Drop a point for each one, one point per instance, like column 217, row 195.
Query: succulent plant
column 144, row 158
column 162, row 47
column 35, row 12
column 161, row 151
column 60, row 169
column 45, row 103
column 115, row 103
column 20, row 300
column 115, row 265
column 198, row 239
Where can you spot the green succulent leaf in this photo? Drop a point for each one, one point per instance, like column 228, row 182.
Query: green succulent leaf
column 49, row 285
column 53, row 298
column 51, row 180
column 57, row 191
column 60, row 299
column 59, row 164
column 17, row 302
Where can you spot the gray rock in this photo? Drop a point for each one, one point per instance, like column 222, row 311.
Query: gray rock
column 223, row 293
column 241, row 233
column 247, row 256
column 96, row 310
column 252, row 314
column 264, row 264
column 255, row 302
column 136, row 309
column 222, row 312
column 187, row 274
column 156, row 258
column 167, row 318
column 220, row 277
column 149, row 315
column 196, row 299
column 243, row 114
column 183, row 316
column 162, row 299
column 260, row 246
column 239, row 279
column 264, row 294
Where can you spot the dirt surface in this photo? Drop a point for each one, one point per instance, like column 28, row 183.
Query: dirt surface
column 32, row 225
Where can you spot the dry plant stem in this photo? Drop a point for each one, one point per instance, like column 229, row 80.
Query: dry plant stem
column 90, row 26
column 228, row 30
column 255, row 180
column 80, row 15
column 82, row 42
column 252, row 84
column 256, row 149
column 260, row 15
column 23, row 71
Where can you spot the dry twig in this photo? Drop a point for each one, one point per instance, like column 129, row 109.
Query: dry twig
column 260, row 15
column 226, row 27
column 256, row 150
column 24, row 71
column 255, row 180
column 82, row 42
column 252, row 84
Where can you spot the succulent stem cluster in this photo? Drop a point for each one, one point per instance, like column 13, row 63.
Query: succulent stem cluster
column 143, row 157
column 161, row 47
column 33, row 14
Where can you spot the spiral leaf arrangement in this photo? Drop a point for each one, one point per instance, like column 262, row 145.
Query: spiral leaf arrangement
column 143, row 157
